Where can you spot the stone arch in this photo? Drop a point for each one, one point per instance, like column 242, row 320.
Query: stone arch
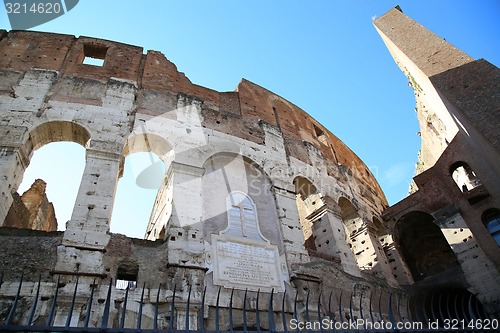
column 357, row 235
column 319, row 238
column 464, row 176
column 423, row 245
column 148, row 179
column 39, row 136
column 56, row 131
column 148, row 142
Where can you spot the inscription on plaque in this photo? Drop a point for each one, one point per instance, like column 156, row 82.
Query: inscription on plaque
column 246, row 264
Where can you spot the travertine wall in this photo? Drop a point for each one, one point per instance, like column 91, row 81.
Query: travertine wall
column 458, row 107
column 249, row 141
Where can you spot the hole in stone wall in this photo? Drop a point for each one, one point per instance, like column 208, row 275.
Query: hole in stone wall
column 134, row 205
column 94, row 54
column 126, row 275
column 47, row 194
column 320, row 134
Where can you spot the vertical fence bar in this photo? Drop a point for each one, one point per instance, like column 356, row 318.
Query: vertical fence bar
column 307, row 306
column 89, row 305
column 124, row 308
column 270, row 313
column 283, row 318
column 245, row 326
column 202, row 311
column 471, row 311
column 12, row 311
column 257, row 317
column 72, row 306
column 371, row 307
column 172, row 312
column 426, row 315
column 380, row 306
column 231, row 311
column 53, row 306
column 105, row 314
column 399, row 309
column 392, row 320
column 351, row 314
column 155, row 319
column 433, row 314
column 187, row 309
column 319, row 311
column 35, row 301
column 448, row 306
column 330, row 313
column 361, row 314
column 217, row 312
column 478, row 311
column 141, row 304
column 408, row 314
column 295, row 308
column 340, row 307
column 440, row 306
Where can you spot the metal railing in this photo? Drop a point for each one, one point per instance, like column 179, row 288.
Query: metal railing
column 386, row 313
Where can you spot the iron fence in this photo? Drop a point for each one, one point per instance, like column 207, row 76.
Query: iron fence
column 386, row 313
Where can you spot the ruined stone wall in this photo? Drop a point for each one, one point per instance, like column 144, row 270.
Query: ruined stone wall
column 457, row 105
column 32, row 210
column 249, row 143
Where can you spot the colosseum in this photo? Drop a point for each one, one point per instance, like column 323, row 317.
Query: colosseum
column 264, row 219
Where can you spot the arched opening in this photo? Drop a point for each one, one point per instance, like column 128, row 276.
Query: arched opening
column 318, row 233
column 424, row 246
column 357, row 235
column 491, row 220
column 464, row 177
column 126, row 275
column 142, row 205
column 238, row 200
column 45, row 198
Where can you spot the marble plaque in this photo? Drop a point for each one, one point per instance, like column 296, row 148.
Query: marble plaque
column 246, row 264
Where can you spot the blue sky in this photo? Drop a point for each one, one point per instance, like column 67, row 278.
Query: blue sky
column 324, row 56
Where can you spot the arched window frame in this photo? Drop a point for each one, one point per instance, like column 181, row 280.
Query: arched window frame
column 491, row 220
column 247, row 210
column 467, row 179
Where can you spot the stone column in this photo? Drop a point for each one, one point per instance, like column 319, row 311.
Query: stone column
column 399, row 269
column 185, row 230
column 479, row 271
column 89, row 224
column 347, row 259
column 13, row 162
column 86, row 234
column 293, row 237
column 380, row 260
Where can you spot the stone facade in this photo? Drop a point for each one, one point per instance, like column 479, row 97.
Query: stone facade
column 456, row 191
column 257, row 194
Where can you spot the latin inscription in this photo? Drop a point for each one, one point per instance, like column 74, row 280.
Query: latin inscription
column 246, row 265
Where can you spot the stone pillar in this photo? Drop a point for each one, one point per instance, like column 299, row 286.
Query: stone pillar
column 89, row 224
column 479, row 271
column 293, row 237
column 347, row 259
column 399, row 269
column 380, row 264
column 185, row 230
column 13, row 162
